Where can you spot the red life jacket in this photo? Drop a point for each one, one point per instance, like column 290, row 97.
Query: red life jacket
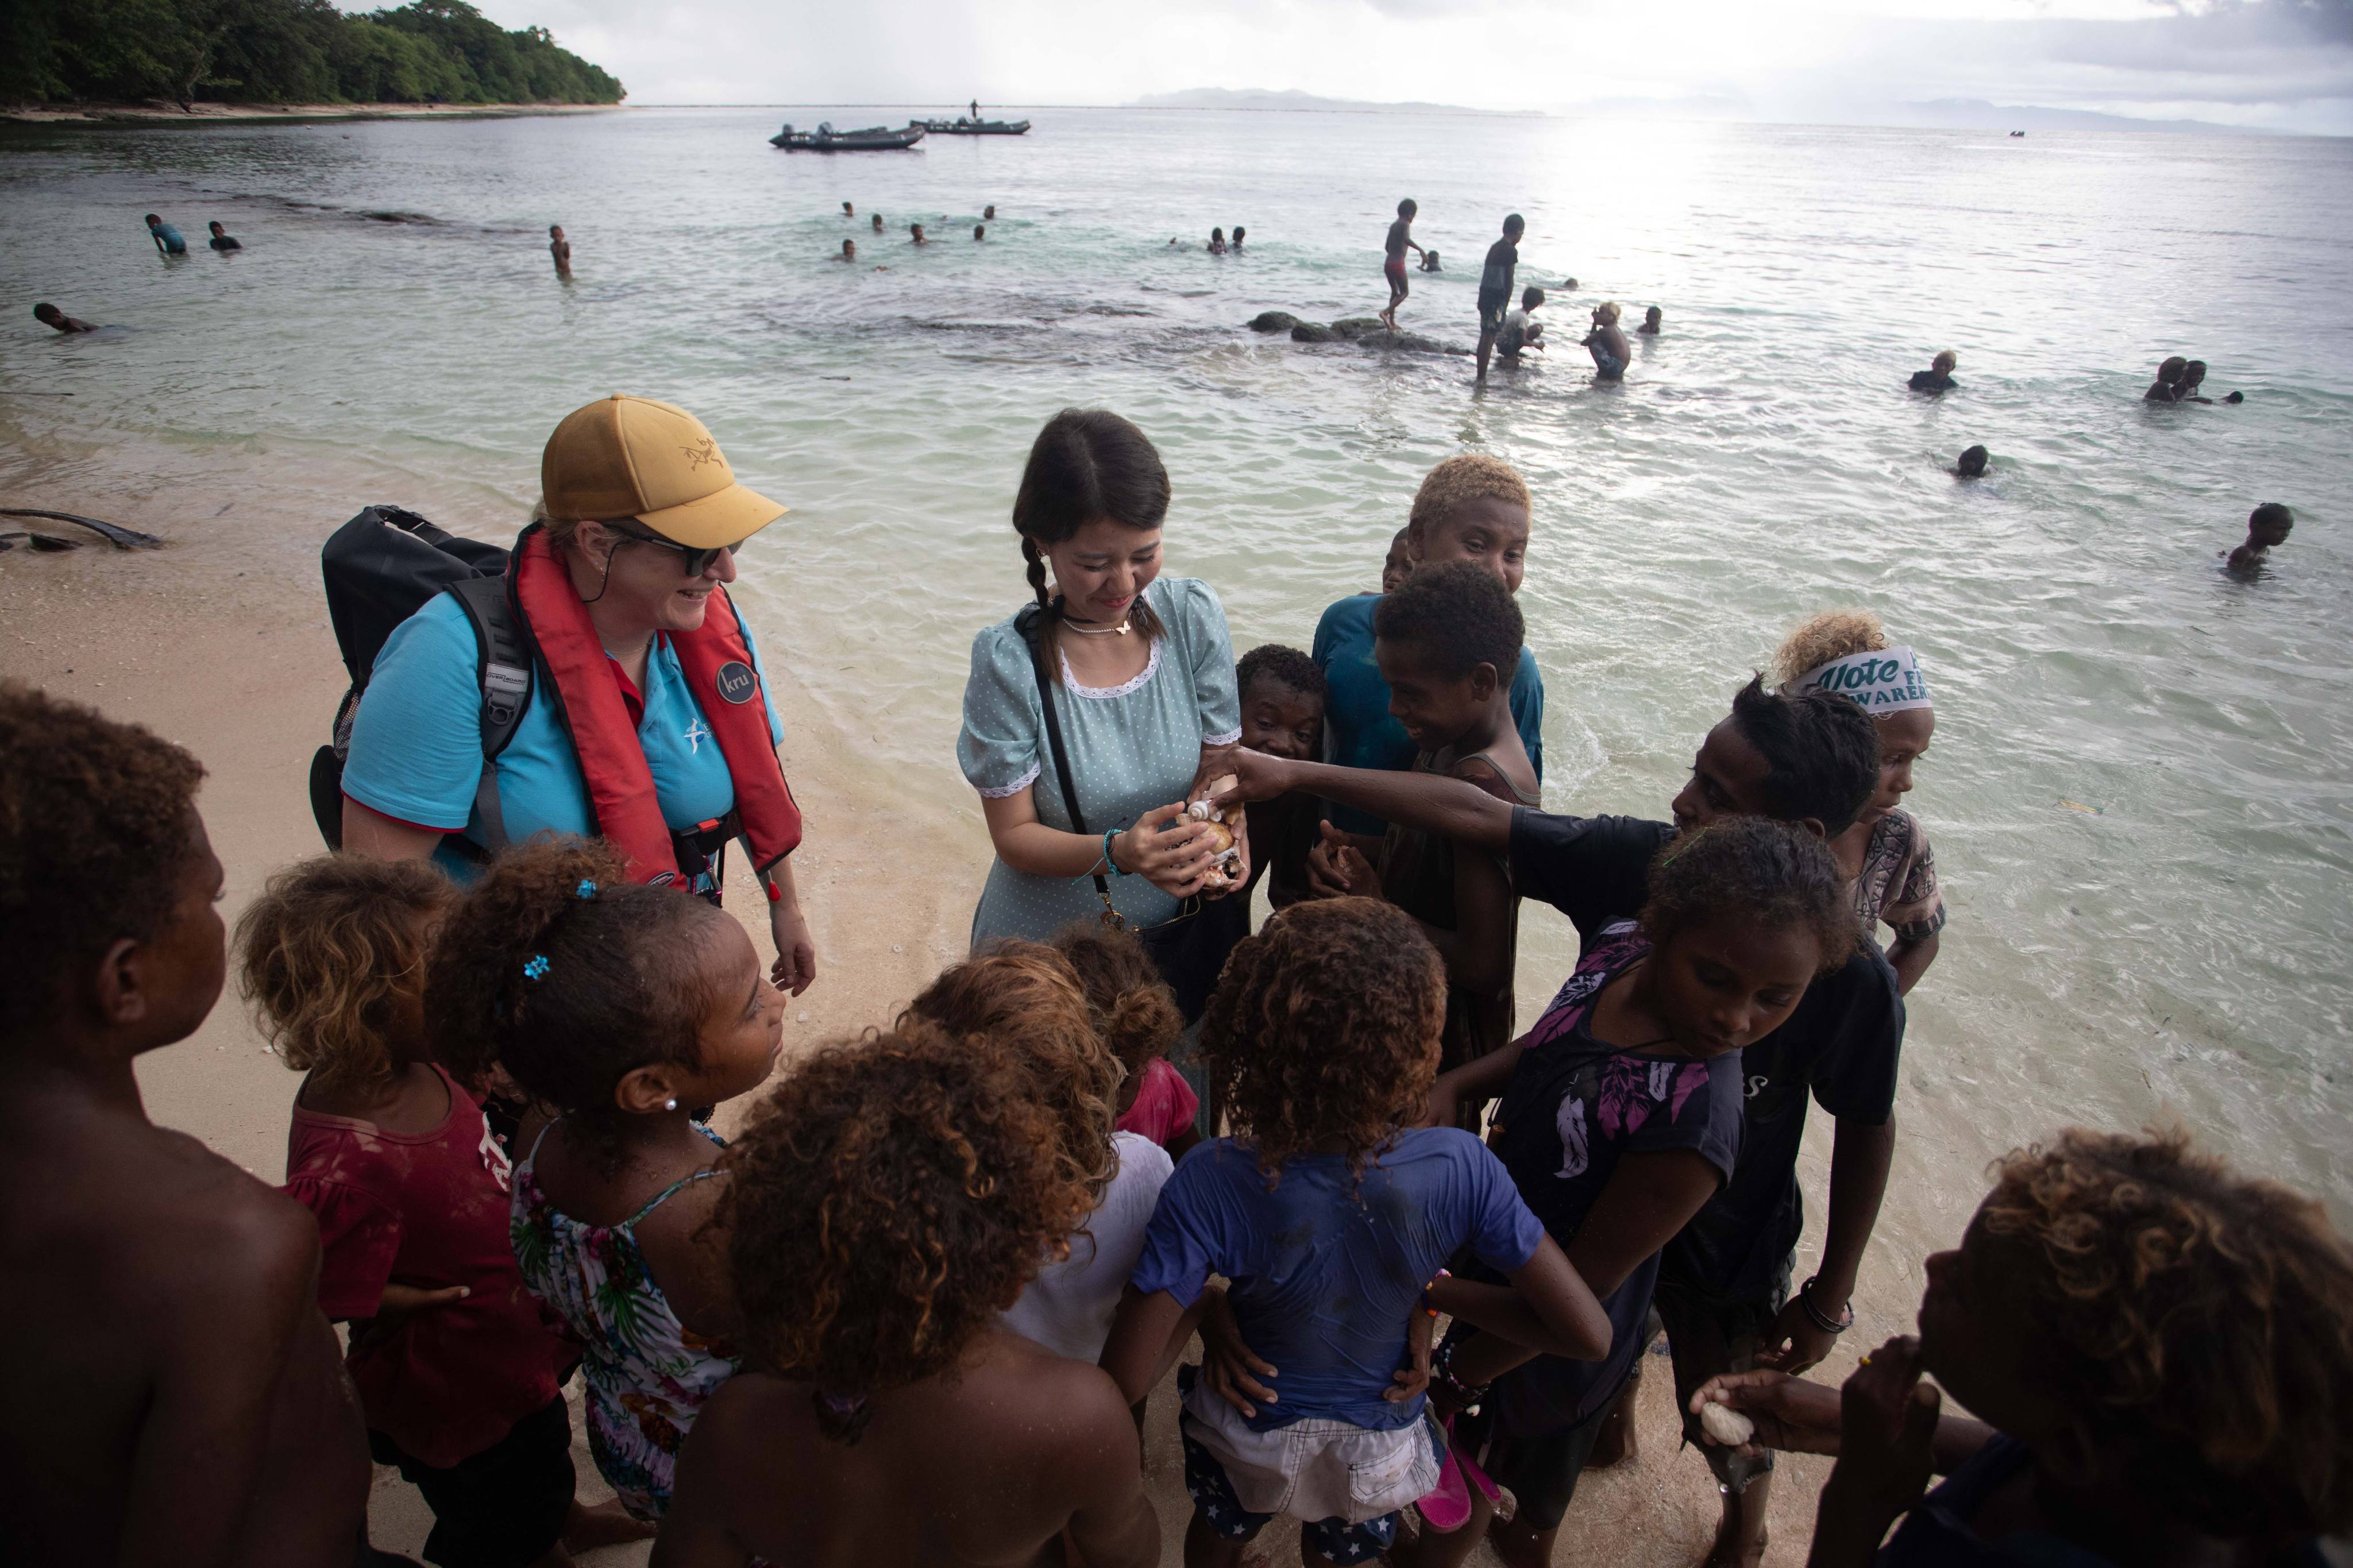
column 717, row 664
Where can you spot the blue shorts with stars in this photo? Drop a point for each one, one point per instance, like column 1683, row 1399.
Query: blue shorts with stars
column 1335, row 1539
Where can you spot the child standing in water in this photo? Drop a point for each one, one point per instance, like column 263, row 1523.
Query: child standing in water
column 2159, row 1355
column 1886, row 851
column 1026, row 998
column 619, row 1006
column 458, row 1375
column 886, row 1416
column 1135, row 1014
column 1621, row 1116
column 2267, row 526
column 1445, row 641
column 1393, row 249
column 1330, row 1218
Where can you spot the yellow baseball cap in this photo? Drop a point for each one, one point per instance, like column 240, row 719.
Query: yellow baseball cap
column 633, row 457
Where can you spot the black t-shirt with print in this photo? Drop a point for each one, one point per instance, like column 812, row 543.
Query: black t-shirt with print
column 1841, row 1046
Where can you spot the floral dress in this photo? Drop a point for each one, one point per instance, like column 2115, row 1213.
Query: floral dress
column 646, row 1374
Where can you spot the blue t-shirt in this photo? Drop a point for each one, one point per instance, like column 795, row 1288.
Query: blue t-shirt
column 1358, row 731
column 1577, row 1105
column 168, row 240
column 1326, row 1270
column 416, row 742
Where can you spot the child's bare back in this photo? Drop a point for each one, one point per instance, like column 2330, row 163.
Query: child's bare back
column 188, row 1403
column 982, row 1471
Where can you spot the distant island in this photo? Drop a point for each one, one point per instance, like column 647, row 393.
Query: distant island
column 283, row 52
column 1261, row 99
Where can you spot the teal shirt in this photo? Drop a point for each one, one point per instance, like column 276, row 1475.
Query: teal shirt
column 1131, row 748
column 1358, row 731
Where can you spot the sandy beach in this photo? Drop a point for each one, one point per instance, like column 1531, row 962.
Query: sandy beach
column 220, row 641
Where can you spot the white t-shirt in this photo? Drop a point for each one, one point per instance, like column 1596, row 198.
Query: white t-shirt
column 1068, row 1307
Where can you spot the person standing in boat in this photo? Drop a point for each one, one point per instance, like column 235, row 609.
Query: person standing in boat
column 647, row 722
column 1139, row 666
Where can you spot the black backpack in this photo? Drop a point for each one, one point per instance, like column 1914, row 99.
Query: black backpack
column 381, row 568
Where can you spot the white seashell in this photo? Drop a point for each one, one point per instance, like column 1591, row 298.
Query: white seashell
column 1725, row 1424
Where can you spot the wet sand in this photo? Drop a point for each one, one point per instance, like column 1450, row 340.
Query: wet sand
column 220, row 641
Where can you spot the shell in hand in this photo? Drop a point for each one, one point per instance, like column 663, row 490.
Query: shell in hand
column 1725, row 1424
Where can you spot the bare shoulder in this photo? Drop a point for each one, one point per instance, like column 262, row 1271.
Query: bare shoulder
column 1074, row 1404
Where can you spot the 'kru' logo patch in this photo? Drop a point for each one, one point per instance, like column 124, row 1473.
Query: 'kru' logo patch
column 736, row 682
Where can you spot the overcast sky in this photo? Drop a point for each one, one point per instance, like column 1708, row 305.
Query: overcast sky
column 2277, row 63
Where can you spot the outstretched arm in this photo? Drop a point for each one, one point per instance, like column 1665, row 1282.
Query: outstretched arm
column 1140, row 1338
column 1447, row 807
column 1861, row 1154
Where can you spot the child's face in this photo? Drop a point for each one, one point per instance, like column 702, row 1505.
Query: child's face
column 1436, row 709
column 2267, row 534
column 1728, row 981
column 1727, row 779
column 1492, row 533
column 1398, row 566
column 1974, row 1332
column 743, row 1028
column 1281, row 722
column 1902, row 737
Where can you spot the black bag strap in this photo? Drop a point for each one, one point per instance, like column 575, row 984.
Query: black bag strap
column 1030, row 624
column 505, row 674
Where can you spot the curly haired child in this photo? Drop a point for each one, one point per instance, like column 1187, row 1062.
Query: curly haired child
column 889, row 1201
column 459, row 1374
column 1886, row 850
column 617, row 1007
column 2159, row 1355
column 1135, row 1014
column 1027, row 999
column 177, row 1397
column 1621, row 1117
column 1330, row 1218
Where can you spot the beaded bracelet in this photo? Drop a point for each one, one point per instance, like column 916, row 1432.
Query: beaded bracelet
column 1827, row 1325
column 1115, row 869
column 1441, row 1373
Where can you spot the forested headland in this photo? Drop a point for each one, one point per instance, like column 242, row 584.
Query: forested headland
column 281, row 51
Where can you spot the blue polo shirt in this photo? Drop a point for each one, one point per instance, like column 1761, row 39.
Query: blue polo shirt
column 168, row 240
column 1358, row 730
column 416, row 744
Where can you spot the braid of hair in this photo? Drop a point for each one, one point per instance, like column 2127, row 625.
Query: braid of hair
column 1037, row 572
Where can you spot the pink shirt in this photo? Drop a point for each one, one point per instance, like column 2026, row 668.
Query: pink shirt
column 1165, row 1104
column 426, row 1209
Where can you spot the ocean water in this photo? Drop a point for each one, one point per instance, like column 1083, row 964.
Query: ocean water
column 2175, row 949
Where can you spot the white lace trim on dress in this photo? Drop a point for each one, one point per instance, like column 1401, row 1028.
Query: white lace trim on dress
column 1150, row 668
column 1228, row 738
column 1015, row 787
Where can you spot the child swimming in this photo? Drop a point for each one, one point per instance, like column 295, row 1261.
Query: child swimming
column 885, row 1415
column 2159, row 1355
column 1329, row 1216
column 1027, row 999
column 620, row 1007
column 1621, row 1117
column 458, row 1375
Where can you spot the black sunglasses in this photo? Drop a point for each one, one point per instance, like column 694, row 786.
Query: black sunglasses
column 692, row 562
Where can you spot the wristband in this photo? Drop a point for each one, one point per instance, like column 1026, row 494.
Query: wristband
column 1827, row 1325
column 1115, row 869
column 1441, row 1371
column 1426, row 1290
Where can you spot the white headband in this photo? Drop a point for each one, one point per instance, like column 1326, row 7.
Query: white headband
column 1885, row 680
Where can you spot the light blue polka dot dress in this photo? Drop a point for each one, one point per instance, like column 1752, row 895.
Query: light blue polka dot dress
column 1131, row 748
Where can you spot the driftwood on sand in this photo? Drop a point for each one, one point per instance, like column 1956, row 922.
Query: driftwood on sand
column 120, row 537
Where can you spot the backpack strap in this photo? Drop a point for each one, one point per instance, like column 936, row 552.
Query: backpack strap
column 505, row 674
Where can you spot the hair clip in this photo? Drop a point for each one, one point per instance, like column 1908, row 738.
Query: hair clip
column 535, row 966
column 587, row 889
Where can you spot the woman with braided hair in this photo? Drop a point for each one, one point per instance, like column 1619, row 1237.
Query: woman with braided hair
column 1139, row 668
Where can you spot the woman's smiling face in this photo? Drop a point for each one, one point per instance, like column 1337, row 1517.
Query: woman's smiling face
column 1103, row 567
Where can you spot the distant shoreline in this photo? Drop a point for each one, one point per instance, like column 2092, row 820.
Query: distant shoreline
column 232, row 113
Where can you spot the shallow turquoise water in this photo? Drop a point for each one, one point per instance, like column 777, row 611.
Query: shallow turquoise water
column 2183, row 951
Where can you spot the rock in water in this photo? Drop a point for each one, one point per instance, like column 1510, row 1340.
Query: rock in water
column 1309, row 332
column 1274, row 321
column 1725, row 1424
column 1404, row 342
column 1354, row 327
